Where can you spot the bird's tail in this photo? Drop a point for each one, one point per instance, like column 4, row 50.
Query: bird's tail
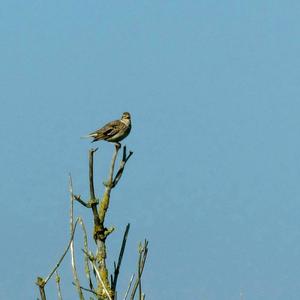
column 85, row 137
column 91, row 135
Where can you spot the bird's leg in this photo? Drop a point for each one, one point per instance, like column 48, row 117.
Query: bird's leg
column 118, row 145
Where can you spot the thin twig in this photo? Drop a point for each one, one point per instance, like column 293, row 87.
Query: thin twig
column 93, row 201
column 100, row 279
column 63, row 255
column 57, row 280
column 73, row 262
column 91, row 172
column 40, row 282
column 78, row 199
column 87, row 290
column 86, row 259
column 140, row 277
column 143, row 251
column 123, row 162
column 117, row 268
column 112, row 166
column 129, row 286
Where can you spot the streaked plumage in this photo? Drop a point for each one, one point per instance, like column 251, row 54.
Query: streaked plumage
column 114, row 131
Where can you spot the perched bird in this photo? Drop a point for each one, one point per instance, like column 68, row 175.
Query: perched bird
column 114, row 131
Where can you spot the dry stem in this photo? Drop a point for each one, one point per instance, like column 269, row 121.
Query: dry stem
column 73, row 261
column 143, row 251
column 117, row 267
column 57, row 280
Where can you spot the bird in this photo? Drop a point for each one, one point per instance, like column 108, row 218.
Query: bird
column 114, row 131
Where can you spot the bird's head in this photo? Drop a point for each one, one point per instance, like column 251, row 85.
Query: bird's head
column 126, row 116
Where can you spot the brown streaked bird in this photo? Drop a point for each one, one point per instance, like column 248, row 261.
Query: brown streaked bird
column 114, row 131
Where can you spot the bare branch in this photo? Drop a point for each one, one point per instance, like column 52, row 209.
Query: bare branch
column 73, row 262
column 40, row 282
column 63, row 255
column 106, row 290
column 78, row 199
column 57, row 280
column 87, row 290
column 93, row 201
column 101, row 234
column 117, row 268
column 86, row 258
column 123, row 162
column 100, row 279
column 129, row 286
column 143, row 251
column 140, row 277
column 91, row 173
column 112, row 166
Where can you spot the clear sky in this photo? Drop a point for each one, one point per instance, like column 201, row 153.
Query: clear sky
column 213, row 89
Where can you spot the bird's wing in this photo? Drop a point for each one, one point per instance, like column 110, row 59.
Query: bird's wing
column 109, row 130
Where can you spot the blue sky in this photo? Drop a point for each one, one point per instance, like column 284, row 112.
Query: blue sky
column 213, row 89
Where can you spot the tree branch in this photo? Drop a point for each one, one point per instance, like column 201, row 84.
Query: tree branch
column 87, row 290
column 103, row 232
column 143, row 251
column 86, row 258
column 100, row 279
column 123, row 162
column 112, row 166
column 63, row 255
column 73, row 262
column 91, row 173
column 93, row 201
column 78, row 199
column 117, row 268
column 40, row 282
column 105, row 290
column 129, row 286
column 57, row 280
